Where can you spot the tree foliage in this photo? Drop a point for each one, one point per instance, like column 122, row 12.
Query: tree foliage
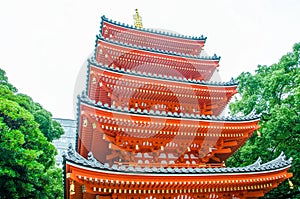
column 273, row 91
column 50, row 128
column 26, row 155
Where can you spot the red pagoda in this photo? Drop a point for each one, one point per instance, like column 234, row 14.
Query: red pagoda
column 150, row 124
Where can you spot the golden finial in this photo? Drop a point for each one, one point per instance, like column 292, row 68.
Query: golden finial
column 137, row 19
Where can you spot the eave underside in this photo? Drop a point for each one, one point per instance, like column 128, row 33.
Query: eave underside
column 170, row 141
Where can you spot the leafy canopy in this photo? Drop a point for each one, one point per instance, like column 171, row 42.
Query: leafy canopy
column 50, row 128
column 26, row 154
column 273, row 91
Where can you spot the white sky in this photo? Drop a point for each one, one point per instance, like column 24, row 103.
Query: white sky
column 43, row 44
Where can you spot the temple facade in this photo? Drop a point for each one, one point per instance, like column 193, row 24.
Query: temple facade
column 150, row 125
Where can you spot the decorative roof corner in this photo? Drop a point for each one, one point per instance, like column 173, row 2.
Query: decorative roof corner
column 281, row 158
column 92, row 161
column 232, row 81
column 73, row 156
column 253, row 114
column 215, row 57
column 257, row 163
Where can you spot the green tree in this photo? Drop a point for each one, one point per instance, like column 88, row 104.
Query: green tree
column 273, row 91
column 26, row 155
column 50, row 128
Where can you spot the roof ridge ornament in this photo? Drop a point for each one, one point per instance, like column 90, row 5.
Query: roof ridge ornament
column 279, row 159
column 137, row 20
column 253, row 114
column 92, row 160
column 257, row 163
column 70, row 151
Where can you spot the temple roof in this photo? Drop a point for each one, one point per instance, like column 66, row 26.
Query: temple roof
column 160, row 32
column 279, row 163
column 251, row 117
column 165, row 77
column 138, row 47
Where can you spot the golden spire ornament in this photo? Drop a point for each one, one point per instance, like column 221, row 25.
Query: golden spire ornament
column 137, row 19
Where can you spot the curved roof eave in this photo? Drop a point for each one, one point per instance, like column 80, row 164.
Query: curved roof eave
column 197, row 117
column 93, row 165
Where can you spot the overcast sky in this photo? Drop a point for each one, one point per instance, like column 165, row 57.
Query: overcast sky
column 43, row 44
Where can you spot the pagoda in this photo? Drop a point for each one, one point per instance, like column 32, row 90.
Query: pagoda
column 150, row 125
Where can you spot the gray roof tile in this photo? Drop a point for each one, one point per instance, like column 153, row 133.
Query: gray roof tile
column 279, row 162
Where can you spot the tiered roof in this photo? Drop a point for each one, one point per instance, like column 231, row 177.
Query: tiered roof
column 150, row 123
